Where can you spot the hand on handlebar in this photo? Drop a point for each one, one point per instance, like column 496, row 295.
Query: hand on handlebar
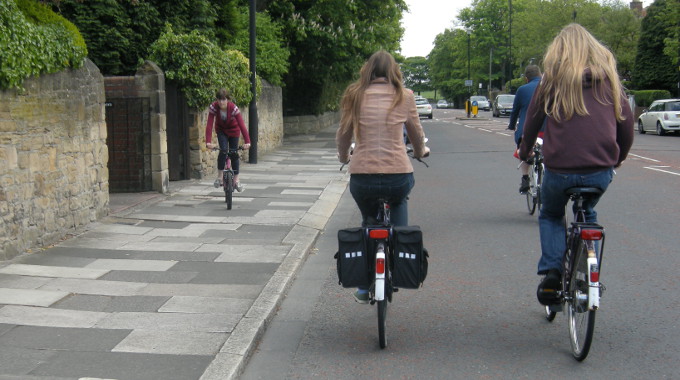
column 246, row 146
column 426, row 151
column 211, row 145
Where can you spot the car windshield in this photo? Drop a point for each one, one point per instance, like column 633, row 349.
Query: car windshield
column 673, row 106
column 478, row 98
column 506, row 98
column 421, row 101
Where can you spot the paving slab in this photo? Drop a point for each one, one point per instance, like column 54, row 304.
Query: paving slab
column 170, row 286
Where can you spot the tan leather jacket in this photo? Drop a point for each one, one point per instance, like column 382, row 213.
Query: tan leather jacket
column 381, row 149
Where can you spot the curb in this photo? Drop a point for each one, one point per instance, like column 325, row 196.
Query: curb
column 233, row 357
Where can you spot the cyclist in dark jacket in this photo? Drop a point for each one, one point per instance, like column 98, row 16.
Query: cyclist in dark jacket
column 588, row 133
column 532, row 74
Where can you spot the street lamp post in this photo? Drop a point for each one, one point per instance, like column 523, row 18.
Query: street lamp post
column 253, row 129
column 469, row 107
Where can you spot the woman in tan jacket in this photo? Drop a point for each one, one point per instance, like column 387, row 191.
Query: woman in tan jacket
column 375, row 110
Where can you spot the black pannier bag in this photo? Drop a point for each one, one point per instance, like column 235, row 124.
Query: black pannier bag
column 410, row 258
column 352, row 258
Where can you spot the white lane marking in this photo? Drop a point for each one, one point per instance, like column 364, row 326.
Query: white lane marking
column 485, row 130
column 657, row 168
column 644, row 158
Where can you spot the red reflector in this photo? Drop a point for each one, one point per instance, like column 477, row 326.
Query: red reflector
column 379, row 234
column 380, row 266
column 594, row 276
column 591, row 234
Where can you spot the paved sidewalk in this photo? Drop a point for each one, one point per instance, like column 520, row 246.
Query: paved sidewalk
column 170, row 286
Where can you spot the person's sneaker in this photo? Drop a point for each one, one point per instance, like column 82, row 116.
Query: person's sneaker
column 217, row 183
column 238, row 187
column 548, row 290
column 524, row 186
column 361, row 296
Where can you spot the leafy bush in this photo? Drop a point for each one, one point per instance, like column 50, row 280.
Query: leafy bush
column 200, row 68
column 34, row 40
column 644, row 98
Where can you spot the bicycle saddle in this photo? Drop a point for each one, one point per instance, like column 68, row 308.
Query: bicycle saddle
column 583, row 190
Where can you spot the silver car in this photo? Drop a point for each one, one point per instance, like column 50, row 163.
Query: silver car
column 502, row 106
column 662, row 116
column 482, row 102
column 424, row 108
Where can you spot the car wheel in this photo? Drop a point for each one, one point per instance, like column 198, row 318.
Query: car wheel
column 429, row 116
column 641, row 128
column 659, row 129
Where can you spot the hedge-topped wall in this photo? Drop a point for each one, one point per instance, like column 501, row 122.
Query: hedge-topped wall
column 54, row 176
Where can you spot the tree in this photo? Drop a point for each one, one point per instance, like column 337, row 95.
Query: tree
column 329, row 41
column 652, row 70
column 416, row 74
column 448, row 64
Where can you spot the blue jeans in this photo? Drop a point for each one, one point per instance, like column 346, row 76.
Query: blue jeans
column 366, row 189
column 227, row 143
column 551, row 218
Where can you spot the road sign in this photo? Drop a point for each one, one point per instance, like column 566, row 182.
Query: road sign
column 468, row 82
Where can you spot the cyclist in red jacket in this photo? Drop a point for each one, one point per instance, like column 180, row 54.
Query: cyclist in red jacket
column 225, row 116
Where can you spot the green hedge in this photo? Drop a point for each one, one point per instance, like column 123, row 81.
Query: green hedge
column 644, row 98
column 200, row 68
column 34, row 40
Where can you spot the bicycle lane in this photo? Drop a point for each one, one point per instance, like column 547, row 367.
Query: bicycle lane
column 176, row 287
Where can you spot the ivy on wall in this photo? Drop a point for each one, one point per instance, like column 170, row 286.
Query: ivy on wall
column 34, row 40
column 200, row 68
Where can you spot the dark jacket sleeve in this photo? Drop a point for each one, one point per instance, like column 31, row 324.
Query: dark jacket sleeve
column 532, row 125
column 625, row 131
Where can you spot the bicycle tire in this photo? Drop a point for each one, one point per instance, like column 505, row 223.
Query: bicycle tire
column 228, row 188
column 539, row 185
column 549, row 314
column 581, row 320
column 382, row 322
column 531, row 193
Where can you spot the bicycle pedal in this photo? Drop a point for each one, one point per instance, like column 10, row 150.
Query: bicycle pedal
column 395, row 290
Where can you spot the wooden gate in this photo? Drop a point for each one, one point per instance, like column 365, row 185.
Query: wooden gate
column 129, row 144
column 178, row 122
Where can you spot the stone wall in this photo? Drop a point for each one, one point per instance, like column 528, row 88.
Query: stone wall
column 270, row 132
column 302, row 125
column 54, row 176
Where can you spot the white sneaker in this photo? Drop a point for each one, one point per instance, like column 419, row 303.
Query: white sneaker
column 217, row 183
column 238, row 187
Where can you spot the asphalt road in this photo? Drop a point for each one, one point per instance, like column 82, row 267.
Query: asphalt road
column 477, row 314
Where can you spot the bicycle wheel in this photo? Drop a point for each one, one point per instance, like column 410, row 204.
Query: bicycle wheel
column 531, row 193
column 549, row 313
column 382, row 317
column 581, row 320
column 228, row 187
column 539, row 184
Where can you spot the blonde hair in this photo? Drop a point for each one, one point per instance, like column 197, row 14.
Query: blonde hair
column 572, row 52
column 380, row 65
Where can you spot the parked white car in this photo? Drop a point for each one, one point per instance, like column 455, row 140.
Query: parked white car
column 662, row 116
column 424, row 108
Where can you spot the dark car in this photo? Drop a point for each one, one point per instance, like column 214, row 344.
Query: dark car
column 502, row 105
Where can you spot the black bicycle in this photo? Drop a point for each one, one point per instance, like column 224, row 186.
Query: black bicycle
column 228, row 174
column 379, row 235
column 581, row 266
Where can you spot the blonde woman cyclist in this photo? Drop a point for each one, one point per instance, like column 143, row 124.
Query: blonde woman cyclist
column 588, row 133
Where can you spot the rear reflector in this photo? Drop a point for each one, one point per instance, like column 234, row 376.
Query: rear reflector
column 591, row 234
column 379, row 234
column 594, row 276
column 380, row 266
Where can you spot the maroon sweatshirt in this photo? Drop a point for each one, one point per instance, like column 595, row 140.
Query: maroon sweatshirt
column 582, row 144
